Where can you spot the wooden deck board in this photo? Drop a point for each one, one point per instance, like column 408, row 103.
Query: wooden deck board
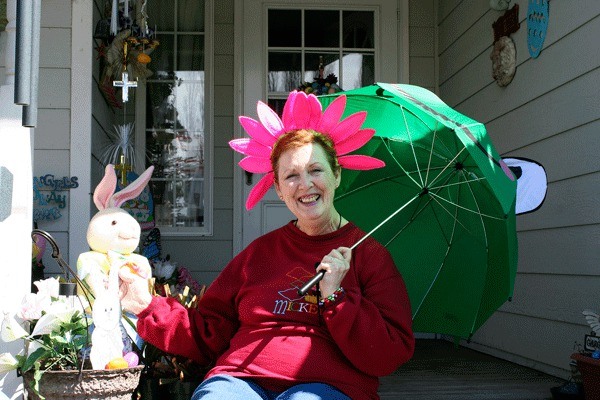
column 439, row 370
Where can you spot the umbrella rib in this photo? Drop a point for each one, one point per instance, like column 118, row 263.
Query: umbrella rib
column 467, row 209
column 449, row 242
column 446, row 185
column 410, row 221
column 386, row 144
column 384, row 221
column 447, row 165
column 411, row 144
column 485, row 238
column 435, row 131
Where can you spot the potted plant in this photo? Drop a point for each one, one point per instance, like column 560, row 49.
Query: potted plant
column 54, row 328
column 588, row 360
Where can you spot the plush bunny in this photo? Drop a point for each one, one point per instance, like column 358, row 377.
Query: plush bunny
column 112, row 235
column 107, row 342
column 112, row 229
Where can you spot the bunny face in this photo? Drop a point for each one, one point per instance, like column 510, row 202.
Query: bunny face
column 113, row 229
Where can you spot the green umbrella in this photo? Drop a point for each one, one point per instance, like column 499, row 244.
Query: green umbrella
column 444, row 205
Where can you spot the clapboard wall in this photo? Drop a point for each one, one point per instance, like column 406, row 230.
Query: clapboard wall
column 52, row 135
column 550, row 112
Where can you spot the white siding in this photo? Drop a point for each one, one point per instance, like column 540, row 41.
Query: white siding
column 550, row 113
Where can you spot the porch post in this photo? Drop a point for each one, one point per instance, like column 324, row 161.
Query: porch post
column 16, row 204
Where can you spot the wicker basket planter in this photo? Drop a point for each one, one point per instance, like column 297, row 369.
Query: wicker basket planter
column 590, row 373
column 115, row 384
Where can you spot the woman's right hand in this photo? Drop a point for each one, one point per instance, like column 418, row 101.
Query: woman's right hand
column 134, row 291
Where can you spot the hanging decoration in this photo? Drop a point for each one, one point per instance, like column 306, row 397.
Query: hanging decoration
column 126, row 44
column 321, row 85
column 504, row 55
column 538, row 13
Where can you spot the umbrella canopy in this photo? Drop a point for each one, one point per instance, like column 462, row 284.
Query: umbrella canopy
column 453, row 234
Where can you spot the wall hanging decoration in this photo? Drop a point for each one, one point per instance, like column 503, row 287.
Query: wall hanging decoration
column 126, row 43
column 504, row 55
column 538, row 13
column 50, row 196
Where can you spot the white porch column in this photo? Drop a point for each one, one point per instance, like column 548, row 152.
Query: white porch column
column 16, row 204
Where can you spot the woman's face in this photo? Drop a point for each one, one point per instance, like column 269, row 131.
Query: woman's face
column 307, row 183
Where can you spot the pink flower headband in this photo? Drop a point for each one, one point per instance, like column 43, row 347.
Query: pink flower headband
column 301, row 111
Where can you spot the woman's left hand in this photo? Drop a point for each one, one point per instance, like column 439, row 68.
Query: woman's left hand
column 335, row 264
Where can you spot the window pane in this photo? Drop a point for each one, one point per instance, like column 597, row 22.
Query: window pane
column 162, row 195
column 160, row 104
column 357, row 70
column 285, row 28
column 190, row 15
column 190, row 103
column 277, row 105
column 190, row 53
column 358, row 29
column 161, row 14
column 321, row 28
column 284, row 71
column 331, row 65
column 162, row 58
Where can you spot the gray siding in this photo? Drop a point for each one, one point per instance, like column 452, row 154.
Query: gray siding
column 421, row 33
column 52, row 136
column 550, row 113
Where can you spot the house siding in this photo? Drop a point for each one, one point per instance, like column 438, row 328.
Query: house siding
column 52, row 135
column 550, row 113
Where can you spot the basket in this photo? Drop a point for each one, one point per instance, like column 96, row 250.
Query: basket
column 113, row 384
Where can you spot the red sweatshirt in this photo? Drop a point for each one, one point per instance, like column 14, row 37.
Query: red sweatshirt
column 252, row 323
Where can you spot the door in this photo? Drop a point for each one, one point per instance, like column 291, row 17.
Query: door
column 283, row 45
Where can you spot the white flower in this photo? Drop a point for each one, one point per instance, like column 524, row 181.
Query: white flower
column 47, row 287
column 31, row 308
column 7, row 362
column 164, row 269
column 11, row 330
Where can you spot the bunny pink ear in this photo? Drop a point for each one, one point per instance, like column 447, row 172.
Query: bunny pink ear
column 132, row 190
column 105, row 188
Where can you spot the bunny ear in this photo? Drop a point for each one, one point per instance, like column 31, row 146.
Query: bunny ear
column 106, row 188
column 132, row 190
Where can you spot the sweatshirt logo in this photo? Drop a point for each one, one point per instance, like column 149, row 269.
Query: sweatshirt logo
column 290, row 301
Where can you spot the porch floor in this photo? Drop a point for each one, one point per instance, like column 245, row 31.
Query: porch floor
column 439, row 370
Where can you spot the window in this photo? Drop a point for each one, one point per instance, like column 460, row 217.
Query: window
column 174, row 114
column 302, row 40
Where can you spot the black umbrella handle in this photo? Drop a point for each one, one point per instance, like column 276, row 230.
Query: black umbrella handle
column 313, row 281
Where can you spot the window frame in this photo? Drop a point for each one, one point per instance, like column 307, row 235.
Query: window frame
column 140, row 132
column 341, row 50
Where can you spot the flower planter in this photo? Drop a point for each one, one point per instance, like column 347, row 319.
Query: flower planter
column 590, row 373
column 114, row 384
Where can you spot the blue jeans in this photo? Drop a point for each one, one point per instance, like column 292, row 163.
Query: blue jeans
column 220, row 387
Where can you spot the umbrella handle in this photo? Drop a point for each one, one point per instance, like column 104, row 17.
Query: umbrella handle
column 313, row 281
